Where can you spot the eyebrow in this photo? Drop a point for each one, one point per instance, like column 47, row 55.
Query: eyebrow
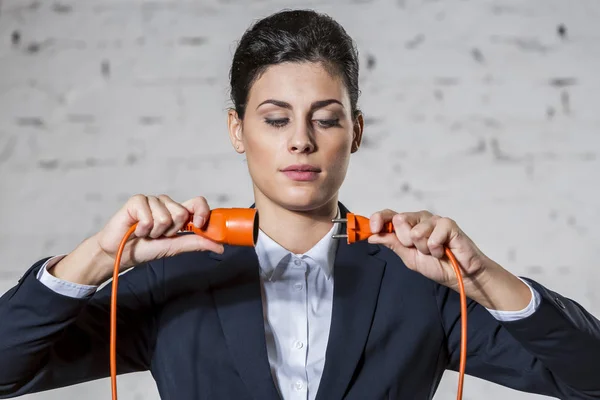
column 314, row 106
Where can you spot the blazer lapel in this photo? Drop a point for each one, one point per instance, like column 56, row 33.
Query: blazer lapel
column 357, row 279
column 236, row 290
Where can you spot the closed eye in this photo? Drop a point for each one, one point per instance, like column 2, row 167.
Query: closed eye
column 277, row 123
column 328, row 123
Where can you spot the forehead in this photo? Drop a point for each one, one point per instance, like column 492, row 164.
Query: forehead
column 298, row 82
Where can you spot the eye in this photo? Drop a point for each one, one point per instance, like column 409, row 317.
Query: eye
column 277, row 123
column 328, row 123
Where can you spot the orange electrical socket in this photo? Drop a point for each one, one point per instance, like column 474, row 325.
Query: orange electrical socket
column 232, row 226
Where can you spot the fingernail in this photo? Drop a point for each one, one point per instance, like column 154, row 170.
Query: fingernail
column 198, row 221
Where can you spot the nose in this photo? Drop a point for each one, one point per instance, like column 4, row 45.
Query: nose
column 302, row 140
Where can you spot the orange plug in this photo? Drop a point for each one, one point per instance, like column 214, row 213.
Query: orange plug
column 232, row 226
column 358, row 228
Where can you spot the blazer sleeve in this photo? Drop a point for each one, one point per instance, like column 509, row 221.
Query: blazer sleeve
column 554, row 352
column 48, row 340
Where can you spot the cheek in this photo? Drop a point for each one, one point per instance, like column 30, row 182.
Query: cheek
column 339, row 153
column 261, row 153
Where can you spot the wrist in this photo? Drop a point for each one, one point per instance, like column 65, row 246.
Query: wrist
column 88, row 264
column 498, row 289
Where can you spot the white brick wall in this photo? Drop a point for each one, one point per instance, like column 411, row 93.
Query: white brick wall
column 477, row 110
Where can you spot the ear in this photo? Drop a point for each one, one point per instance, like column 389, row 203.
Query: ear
column 234, row 123
column 359, row 124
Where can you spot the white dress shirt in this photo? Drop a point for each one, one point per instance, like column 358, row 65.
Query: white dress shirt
column 297, row 293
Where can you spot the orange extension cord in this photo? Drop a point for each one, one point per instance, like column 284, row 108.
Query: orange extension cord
column 357, row 228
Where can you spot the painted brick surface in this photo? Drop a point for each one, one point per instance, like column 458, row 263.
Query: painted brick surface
column 486, row 112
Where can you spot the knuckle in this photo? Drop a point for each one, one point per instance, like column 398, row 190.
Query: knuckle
column 163, row 220
column 399, row 218
column 432, row 242
column 448, row 221
column 415, row 233
column 163, row 197
column 138, row 198
column 200, row 205
column 180, row 215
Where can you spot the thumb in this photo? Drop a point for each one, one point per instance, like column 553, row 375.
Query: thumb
column 190, row 242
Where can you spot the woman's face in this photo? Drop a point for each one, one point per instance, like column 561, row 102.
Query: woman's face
column 298, row 134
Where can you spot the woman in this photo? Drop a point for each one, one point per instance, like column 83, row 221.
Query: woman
column 302, row 316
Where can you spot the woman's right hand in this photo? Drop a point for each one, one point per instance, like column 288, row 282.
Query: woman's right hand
column 158, row 219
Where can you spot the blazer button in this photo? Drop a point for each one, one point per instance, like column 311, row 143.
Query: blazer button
column 560, row 303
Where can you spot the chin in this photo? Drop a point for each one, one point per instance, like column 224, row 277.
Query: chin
column 297, row 199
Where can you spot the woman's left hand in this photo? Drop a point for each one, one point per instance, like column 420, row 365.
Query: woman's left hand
column 420, row 239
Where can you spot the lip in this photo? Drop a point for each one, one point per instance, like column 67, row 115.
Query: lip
column 302, row 168
column 302, row 172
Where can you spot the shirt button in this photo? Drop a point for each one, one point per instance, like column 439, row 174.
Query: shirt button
column 298, row 286
column 299, row 385
column 297, row 262
column 298, row 344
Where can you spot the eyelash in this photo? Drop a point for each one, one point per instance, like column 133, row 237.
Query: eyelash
column 324, row 123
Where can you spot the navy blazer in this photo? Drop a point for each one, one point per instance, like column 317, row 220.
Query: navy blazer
column 195, row 321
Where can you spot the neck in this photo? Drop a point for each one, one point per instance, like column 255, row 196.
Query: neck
column 296, row 231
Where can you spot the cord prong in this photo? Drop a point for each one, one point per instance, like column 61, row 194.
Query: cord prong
column 339, row 236
column 339, row 220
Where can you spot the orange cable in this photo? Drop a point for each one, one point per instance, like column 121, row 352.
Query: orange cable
column 113, row 314
column 463, row 322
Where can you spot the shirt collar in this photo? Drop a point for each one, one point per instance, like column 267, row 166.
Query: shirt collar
column 271, row 254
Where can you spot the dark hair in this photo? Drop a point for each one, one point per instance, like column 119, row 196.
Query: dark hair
column 293, row 36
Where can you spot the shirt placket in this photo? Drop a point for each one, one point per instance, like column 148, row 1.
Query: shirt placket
column 299, row 343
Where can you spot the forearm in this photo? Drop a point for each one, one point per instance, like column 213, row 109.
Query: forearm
column 560, row 334
column 34, row 318
column 51, row 340
column 565, row 338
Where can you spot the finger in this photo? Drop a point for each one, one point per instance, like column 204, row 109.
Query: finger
column 189, row 242
column 139, row 210
column 198, row 207
column 179, row 214
column 378, row 219
column 161, row 216
column 413, row 218
column 420, row 233
column 444, row 231
column 402, row 228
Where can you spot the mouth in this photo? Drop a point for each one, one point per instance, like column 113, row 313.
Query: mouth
column 302, row 168
column 302, row 172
